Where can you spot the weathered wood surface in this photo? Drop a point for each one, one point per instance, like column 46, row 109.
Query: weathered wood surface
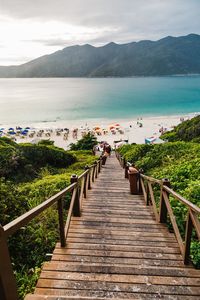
column 116, row 249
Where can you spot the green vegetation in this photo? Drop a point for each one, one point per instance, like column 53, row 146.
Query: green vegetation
column 187, row 131
column 23, row 162
column 86, row 143
column 30, row 174
column 180, row 163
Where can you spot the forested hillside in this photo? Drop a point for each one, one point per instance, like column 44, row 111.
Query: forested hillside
column 168, row 56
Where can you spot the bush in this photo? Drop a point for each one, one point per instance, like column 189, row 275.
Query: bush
column 186, row 131
column 86, row 143
column 133, row 153
column 42, row 155
column 9, row 160
column 23, row 162
column 12, row 203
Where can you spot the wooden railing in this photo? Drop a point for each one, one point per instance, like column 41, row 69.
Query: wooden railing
column 162, row 208
column 78, row 189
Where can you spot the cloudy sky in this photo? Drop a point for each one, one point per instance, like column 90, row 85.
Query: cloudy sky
column 31, row 28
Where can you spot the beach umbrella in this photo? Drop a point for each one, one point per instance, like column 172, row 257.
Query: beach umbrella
column 24, row 132
column 28, row 128
column 12, row 132
column 11, row 129
column 2, row 128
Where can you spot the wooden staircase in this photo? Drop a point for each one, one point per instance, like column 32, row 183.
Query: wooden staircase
column 117, row 250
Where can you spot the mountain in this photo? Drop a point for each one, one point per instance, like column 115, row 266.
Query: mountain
column 168, row 56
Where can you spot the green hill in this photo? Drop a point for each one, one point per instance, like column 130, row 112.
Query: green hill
column 187, row 131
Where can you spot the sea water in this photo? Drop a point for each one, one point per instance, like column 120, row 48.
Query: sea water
column 55, row 99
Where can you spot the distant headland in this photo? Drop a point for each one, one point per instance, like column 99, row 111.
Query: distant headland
column 167, row 56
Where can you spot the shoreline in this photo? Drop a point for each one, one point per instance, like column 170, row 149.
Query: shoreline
column 134, row 130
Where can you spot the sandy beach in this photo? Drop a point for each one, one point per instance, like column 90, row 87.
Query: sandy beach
column 63, row 133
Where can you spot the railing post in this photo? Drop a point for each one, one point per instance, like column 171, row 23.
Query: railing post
column 133, row 180
column 61, row 223
column 147, row 192
column 76, row 208
column 86, row 182
column 188, row 236
column 123, row 162
column 163, row 208
column 89, row 178
column 96, row 169
column 93, row 172
column 99, row 164
column 8, row 286
column 126, row 171
column 139, row 184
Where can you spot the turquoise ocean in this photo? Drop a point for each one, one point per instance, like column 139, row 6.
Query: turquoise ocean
column 56, row 99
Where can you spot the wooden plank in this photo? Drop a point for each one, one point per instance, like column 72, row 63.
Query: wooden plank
column 157, row 280
column 138, row 236
column 113, row 220
column 125, row 212
column 137, row 233
column 135, row 297
column 118, row 226
column 121, row 242
column 118, row 269
column 122, row 287
column 109, row 227
column 127, row 248
column 136, row 254
column 130, row 261
column 118, row 216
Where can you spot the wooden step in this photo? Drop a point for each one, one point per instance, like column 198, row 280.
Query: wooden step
column 134, row 297
column 117, row 250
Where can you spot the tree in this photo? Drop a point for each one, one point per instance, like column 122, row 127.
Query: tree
column 86, row 143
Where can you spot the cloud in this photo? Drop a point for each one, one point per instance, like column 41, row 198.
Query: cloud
column 95, row 13
column 49, row 25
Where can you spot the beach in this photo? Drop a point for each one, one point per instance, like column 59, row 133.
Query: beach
column 63, row 133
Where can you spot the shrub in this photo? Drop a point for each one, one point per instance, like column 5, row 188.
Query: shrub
column 186, row 131
column 86, row 143
column 42, row 155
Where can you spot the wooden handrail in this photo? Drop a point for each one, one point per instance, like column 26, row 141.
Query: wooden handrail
column 69, row 215
column 24, row 219
column 145, row 184
column 183, row 200
column 151, row 179
column 165, row 208
column 8, row 288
